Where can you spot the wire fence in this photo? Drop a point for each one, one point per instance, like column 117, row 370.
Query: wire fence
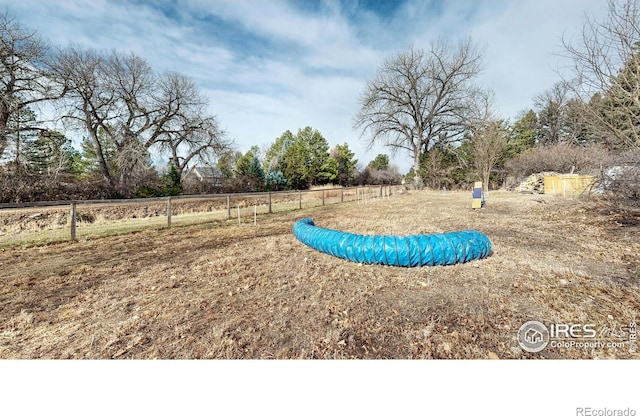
column 51, row 221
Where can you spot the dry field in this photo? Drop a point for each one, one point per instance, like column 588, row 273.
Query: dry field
column 218, row 290
column 47, row 224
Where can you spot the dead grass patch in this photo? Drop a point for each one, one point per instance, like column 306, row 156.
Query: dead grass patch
column 216, row 290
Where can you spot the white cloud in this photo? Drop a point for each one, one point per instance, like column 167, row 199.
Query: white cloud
column 269, row 66
column 523, row 43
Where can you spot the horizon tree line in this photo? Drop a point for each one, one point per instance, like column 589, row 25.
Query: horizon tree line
column 424, row 102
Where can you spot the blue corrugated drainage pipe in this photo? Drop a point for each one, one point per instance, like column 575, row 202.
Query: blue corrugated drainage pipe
column 407, row 251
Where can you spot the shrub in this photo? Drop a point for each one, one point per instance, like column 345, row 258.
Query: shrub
column 561, row 158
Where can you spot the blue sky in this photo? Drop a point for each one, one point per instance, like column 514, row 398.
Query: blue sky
column 271, row 66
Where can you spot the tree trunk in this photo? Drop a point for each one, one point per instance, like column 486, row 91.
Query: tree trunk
column 417, row 179
column 102, row 163
column 4, row 119
column 485, row 180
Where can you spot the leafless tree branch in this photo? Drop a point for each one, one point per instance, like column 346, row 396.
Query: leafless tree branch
column 420, row 97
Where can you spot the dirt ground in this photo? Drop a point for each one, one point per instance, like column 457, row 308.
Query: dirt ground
column 218, row 290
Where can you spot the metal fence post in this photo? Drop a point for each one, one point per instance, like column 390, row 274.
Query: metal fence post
column 73, row 220
column 323, row 197
column 300, row 199
column 269, row 202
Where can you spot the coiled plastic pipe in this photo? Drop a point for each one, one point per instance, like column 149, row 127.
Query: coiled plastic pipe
column 408, row 251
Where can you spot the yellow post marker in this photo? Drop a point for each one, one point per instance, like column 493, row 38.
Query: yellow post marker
column 478, row 196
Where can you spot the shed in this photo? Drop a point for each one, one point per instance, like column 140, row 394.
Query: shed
column 568, row 184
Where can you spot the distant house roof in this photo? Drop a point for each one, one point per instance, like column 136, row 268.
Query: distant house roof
column 207, row 174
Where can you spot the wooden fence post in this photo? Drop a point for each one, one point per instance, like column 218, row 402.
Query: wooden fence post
column 73, row 221
column 169, row 212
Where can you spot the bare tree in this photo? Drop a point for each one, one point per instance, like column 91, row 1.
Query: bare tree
column 120, row 96
column 166, row 112
column 24, row 76
column 89, row 104
column 133, row 83
column 183, row 128
column 605, row 72
column 552, row 106
column 420, row 97
column 488, row 137
column 198, row 139
column 136, row 116
column 489, row 140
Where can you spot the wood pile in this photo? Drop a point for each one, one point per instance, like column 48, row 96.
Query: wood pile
column 534, row 184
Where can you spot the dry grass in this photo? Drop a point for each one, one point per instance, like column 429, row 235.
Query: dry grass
column 39, row 225
column 217, row 290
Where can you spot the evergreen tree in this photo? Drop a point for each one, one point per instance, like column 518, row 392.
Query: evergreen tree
column 172, row 181
column 227, row 162
column 346, row 164
column 296, row 170
column 305, row 159
column 256, row 169
column 329, row 171
column 51, row 154
column 408, row 177
column 19, row 137
column 381, row 162
column 275, row 180
column 88, row 164
column 274, row 158
column 523, row 134
column 579, row 129
column 619, row 108
column 317, row 153
column 249, row 171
